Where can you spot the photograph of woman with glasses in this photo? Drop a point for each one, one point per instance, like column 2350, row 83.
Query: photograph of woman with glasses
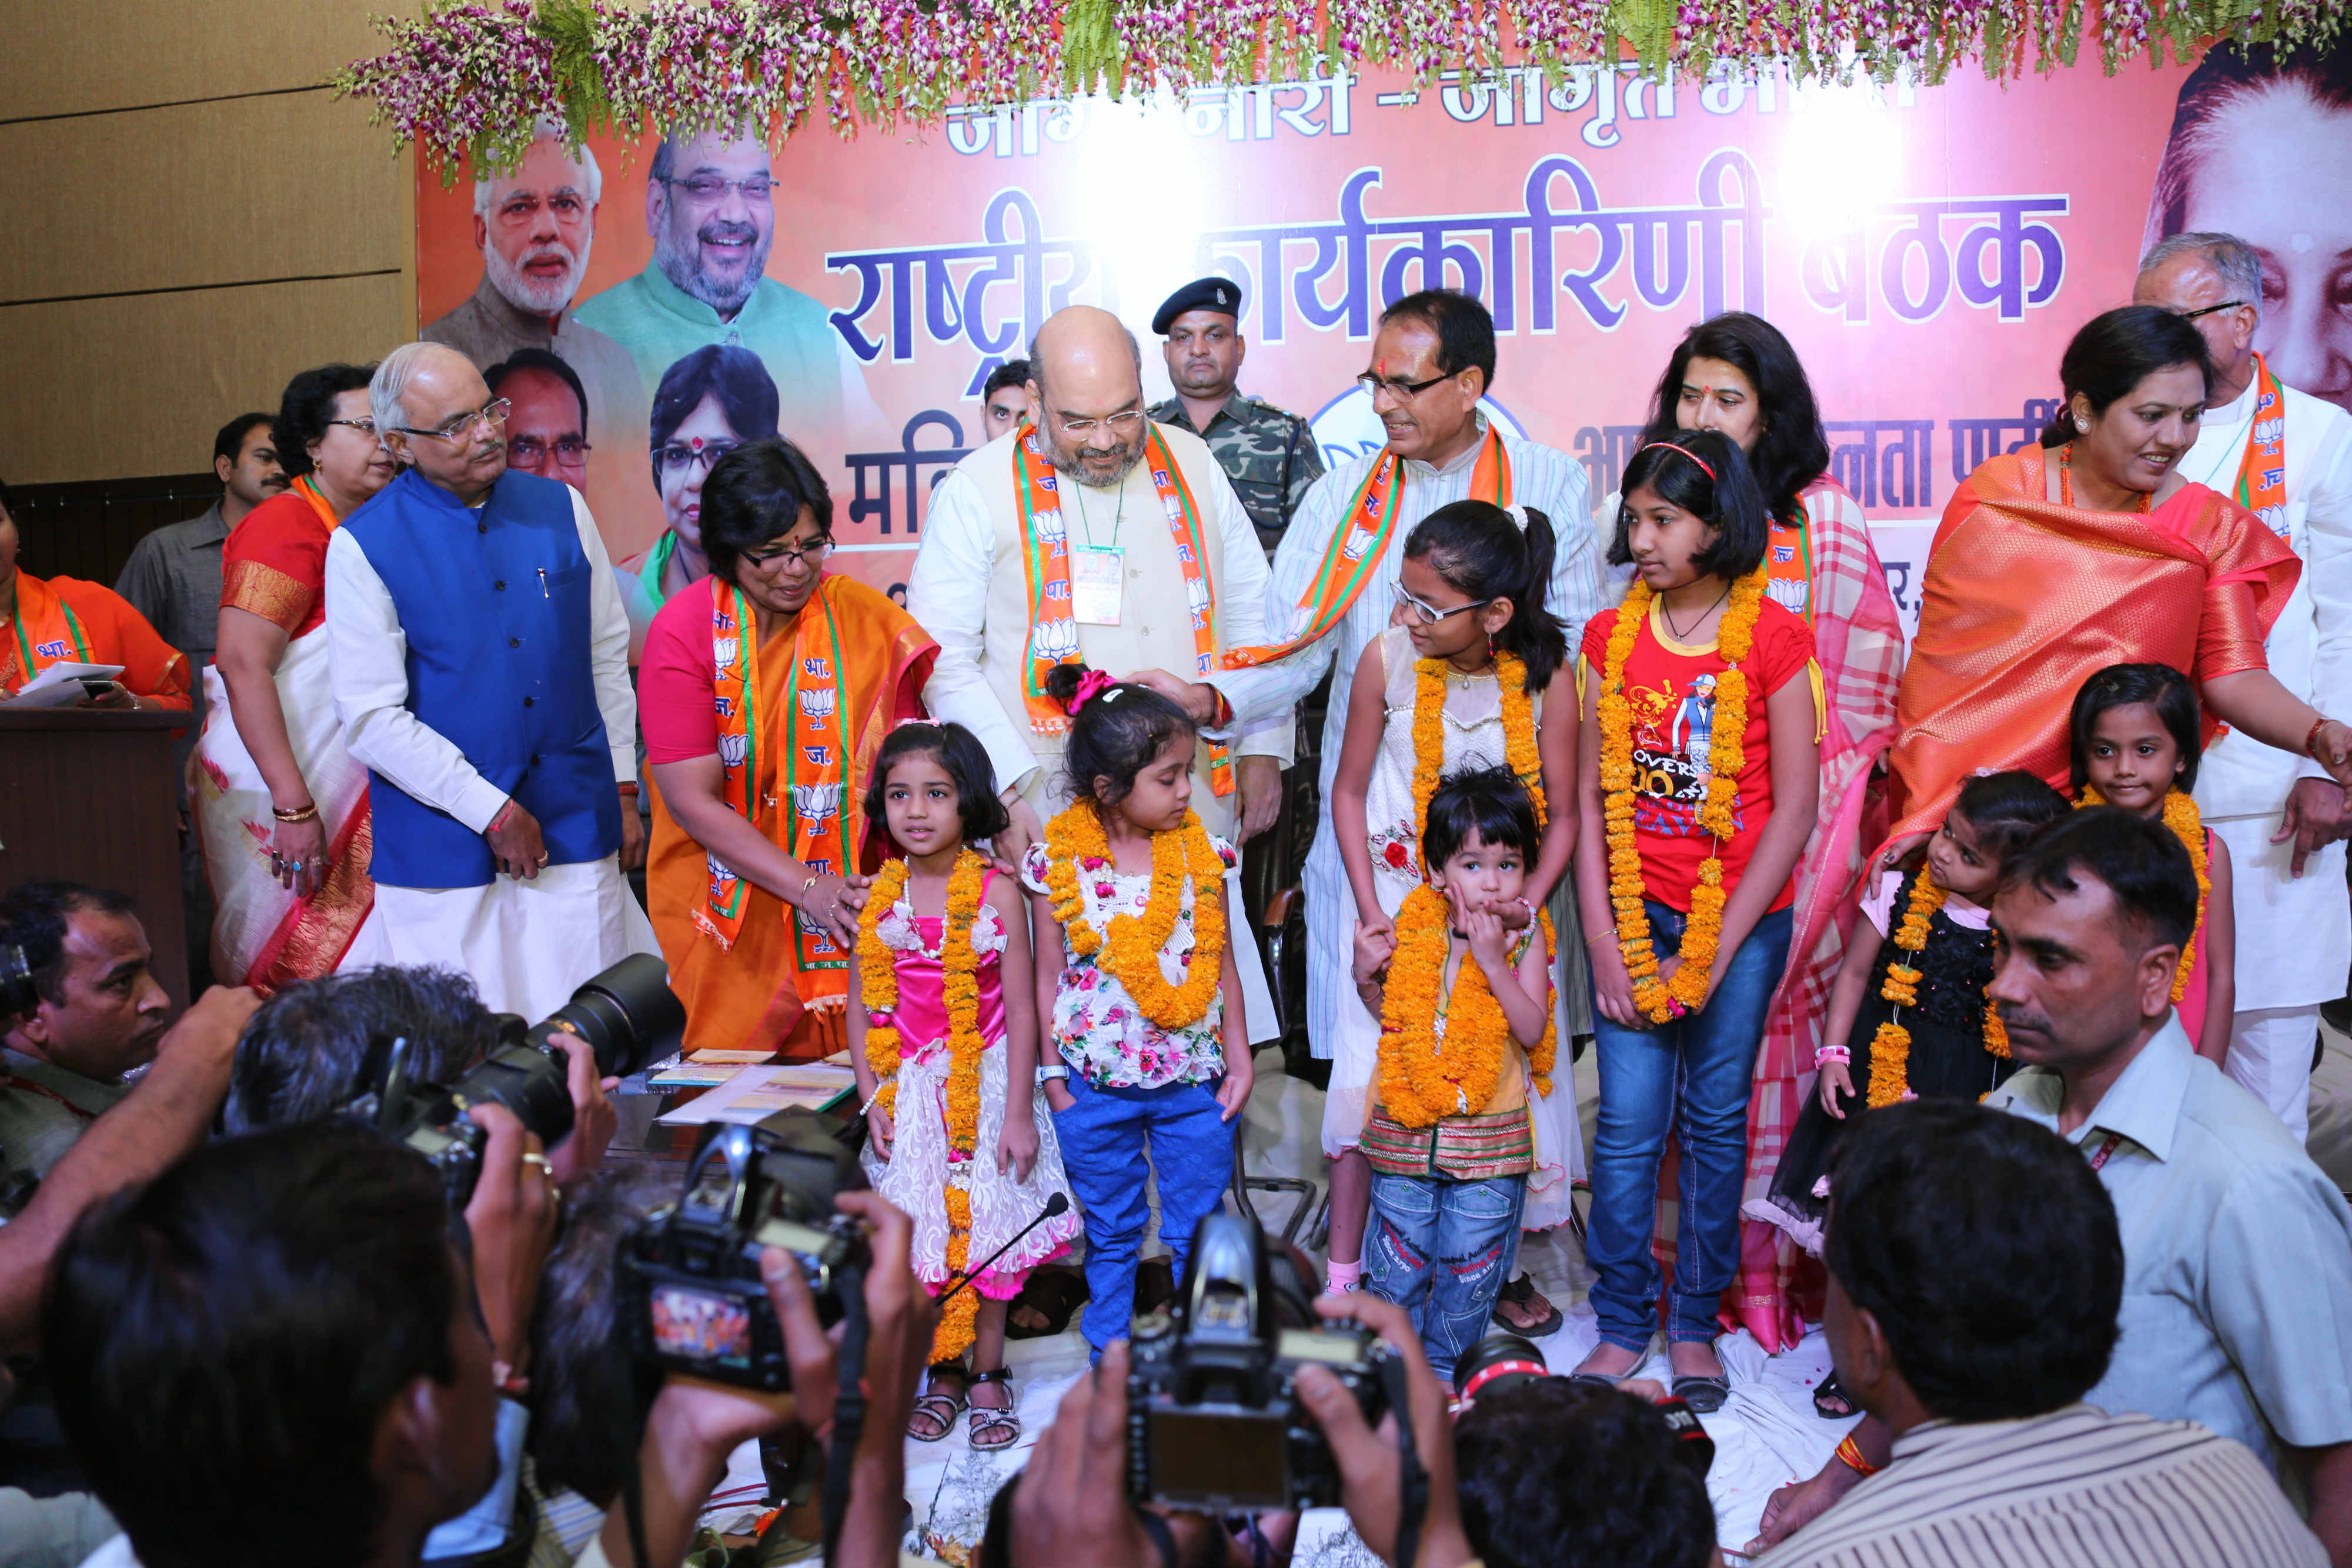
column 767, row 687
column 709, row 404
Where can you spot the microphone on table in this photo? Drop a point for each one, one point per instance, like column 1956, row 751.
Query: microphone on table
column 1057, row 1204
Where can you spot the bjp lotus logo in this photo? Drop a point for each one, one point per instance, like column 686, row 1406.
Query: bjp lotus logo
column 1359, row 541
column 722, row 873
column 1050, row 528
column 734, row 749
column 816, row 707
column 816, row 802
column 1054, row 641
column 724, row 649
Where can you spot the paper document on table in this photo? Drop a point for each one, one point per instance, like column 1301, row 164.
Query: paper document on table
column 59, row 685
column 757, row 1092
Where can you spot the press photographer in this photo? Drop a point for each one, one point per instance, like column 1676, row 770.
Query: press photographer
column 84, row 1011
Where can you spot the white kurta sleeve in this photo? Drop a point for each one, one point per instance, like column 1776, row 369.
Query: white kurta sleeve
column 947, row 593
column 1241, row 580
column 608, row 634
column 1270, row 691
column 369, row 656
column 2327, row 544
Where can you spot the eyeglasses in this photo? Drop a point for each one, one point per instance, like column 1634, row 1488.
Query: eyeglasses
column 809, row 556
column 709, row 189
column 569, row 451
column 1374, row 385
column 1429, row 615
column 2209, row 309
column 1123, row 424
column 458, row 427
column 677, row 458
column 364, row 426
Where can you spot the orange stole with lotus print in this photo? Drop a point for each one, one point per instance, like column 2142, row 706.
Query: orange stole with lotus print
column 2025, row 599
column 755, row 994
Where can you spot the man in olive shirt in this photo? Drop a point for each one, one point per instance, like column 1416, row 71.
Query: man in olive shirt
column 1268, row 453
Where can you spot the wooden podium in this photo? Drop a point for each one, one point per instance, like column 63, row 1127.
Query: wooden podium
column 91, row 795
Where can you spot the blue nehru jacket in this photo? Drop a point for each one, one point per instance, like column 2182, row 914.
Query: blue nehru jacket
column 494, row 608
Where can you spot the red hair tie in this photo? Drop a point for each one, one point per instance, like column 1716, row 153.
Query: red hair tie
column 1091, row 684
column 1685, row 452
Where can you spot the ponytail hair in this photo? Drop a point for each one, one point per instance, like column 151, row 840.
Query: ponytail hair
column 1479, row 549
column 1704, row 473
column 2005, row 810
column 1115, row 729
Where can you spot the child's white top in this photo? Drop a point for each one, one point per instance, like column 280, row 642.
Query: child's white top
column 1096, row 1025
column 1472, row 728
column 1878, row 906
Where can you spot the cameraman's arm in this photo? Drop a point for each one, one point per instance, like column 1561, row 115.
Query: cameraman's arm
column 511, row 1221
column 1369, row 1463
column 901, row 1318
column 165, row 1114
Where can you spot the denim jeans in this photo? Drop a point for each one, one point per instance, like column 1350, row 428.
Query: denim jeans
column 1441, row 1251
column 1694, row 1075
column 1103, row 1137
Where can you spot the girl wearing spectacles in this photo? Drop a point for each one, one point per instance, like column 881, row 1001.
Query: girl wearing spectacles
column 1473, row 673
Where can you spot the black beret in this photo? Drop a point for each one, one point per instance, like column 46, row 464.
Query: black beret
column 1222, row 294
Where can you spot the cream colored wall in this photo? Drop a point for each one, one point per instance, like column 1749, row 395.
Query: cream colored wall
column 189, row 219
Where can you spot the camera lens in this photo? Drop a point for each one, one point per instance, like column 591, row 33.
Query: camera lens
column 628, row 1015
column 1501, row 1361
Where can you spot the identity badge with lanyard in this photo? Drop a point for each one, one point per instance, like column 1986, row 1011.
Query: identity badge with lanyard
column 1095, row 588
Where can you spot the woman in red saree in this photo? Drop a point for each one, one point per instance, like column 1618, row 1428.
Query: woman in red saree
column 765, row 691
column 65, row 621
column 282, row 806
column 2089, row 551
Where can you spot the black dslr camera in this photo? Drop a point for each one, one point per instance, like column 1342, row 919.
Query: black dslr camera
column 689, row 1276
column 627, row 1015
column 18, row 998
column 1214, row 1418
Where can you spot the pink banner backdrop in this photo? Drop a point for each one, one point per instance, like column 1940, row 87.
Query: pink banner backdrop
column 1928, row 249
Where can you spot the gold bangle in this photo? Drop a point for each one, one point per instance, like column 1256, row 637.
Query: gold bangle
column 302, row 813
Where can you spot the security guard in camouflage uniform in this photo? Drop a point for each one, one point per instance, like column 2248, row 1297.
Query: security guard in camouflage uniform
column 1268, row 453
column 1271, row 457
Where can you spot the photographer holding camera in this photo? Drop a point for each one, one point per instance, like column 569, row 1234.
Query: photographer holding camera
column 94, row 1013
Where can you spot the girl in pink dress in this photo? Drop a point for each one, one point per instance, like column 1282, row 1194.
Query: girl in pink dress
column 933, row 792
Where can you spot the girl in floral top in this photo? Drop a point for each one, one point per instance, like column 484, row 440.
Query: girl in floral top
column 1147, row 1045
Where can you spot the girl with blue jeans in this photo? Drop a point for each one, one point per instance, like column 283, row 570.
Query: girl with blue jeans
column 1145, row 1047
column 1701, row 762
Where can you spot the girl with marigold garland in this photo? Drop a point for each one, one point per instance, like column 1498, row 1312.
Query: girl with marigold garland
column 1147, row 1049
column 1466, row 1044
column 1701, row 763
column 1476, row 675
column 944, row 1043
column 2136, row 735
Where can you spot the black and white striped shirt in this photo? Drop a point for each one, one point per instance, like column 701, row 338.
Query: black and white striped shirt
column 2075, row 1489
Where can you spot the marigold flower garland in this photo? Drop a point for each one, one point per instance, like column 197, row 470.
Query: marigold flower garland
column 1428, row 731
column 1422, row 1078
column 1735, row 639
column 960, row 983
column 1890, row 1048
column 2181, row 815
column 1132, row 952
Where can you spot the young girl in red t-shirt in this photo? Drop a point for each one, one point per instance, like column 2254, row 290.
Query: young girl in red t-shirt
column 1699, row 764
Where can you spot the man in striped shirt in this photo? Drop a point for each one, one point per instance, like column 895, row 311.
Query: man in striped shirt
column 1975, row 1275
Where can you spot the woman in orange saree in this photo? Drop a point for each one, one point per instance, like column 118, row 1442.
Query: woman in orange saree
column 281, row 806
column 765, row 691
column 65, row 621
column 2089, row 551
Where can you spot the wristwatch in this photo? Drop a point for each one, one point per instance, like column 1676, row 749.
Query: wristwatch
column 1048, row 1074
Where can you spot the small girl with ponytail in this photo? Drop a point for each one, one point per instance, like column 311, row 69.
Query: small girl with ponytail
column 1145, row 1043
column 1474, row 675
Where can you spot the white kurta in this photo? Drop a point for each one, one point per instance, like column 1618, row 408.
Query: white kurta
column 970, row 589
column 2294, row 934
column 525, row 944
column 1541, row 477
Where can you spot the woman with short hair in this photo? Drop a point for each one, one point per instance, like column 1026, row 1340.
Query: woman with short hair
column 765, row 690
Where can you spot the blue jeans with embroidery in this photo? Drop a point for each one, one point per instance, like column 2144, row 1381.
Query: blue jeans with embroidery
column 1103, row 1136
column 1693, row 1076
column 1440, row 1249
